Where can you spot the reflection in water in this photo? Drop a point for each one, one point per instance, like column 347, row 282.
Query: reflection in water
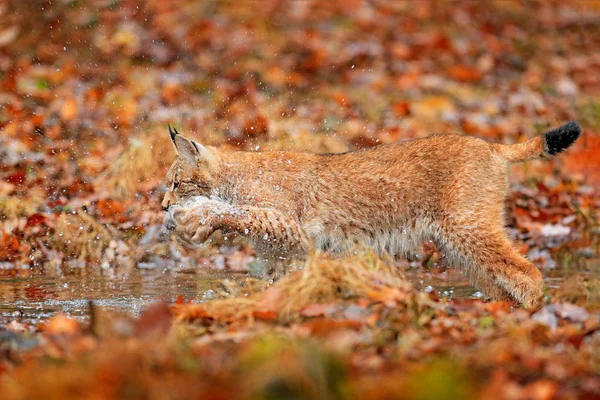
column 32, row 295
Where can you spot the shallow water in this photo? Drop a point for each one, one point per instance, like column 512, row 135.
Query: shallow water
column 30, row 296
column 452, row 284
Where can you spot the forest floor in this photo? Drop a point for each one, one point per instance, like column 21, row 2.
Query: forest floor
column 86, row 92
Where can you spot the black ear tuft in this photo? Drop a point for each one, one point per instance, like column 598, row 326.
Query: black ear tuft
column 173, row 132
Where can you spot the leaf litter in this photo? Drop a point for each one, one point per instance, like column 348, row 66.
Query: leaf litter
column 87, row 90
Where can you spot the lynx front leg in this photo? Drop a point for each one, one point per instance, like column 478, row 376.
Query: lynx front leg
column 270, row 230
column 277, row 238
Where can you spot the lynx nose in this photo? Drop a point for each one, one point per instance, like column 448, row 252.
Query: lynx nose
column 167, row 200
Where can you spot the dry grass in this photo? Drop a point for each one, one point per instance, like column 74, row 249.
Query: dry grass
column 18, row 206
column 326, row 279
column 580, row 290
column 81, row 236
column 323, row 279
column 138, row 167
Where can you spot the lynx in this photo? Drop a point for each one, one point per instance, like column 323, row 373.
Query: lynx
column 449, row 189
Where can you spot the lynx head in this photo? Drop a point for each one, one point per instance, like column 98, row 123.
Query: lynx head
column 191, row 173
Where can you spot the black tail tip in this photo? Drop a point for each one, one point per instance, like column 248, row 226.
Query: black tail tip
column 560, row 138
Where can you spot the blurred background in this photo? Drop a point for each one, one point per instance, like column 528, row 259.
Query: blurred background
column 87, row 89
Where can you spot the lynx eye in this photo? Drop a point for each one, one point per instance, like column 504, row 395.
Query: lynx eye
column 175, row 184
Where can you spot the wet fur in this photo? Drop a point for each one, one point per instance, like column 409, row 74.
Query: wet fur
column 446, row 188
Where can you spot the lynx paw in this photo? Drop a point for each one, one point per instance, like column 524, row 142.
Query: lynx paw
column 192, row 225
column 528, row 290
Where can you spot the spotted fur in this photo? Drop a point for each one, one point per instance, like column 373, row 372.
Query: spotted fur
column 446, row 188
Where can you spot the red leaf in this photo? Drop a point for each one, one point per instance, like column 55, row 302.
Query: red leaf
column 17, row 178
column 35, row 219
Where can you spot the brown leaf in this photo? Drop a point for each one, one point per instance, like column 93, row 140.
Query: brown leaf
column 258, row 126
column 155, row 321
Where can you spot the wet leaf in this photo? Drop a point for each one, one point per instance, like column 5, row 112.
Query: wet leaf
column 60, row 324
column 155, row 321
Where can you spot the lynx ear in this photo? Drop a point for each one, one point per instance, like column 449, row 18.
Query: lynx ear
column 173, row 132
column 190, row 150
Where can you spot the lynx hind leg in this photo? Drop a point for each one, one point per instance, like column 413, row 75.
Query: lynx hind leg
column 493, row 265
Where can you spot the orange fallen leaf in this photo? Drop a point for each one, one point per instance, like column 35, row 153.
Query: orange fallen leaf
column 171, row 91
column 60, row 324
column 542, row 389
column 265, row 315
column 324, row 326
column 9, row 246
column 464, row 73
column 582, row 161
column 108, row 208
column 68, row 111
column 401, row 108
